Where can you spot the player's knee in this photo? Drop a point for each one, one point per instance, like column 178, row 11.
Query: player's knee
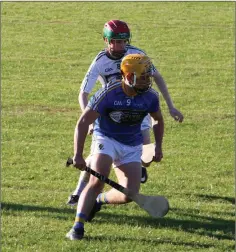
column 96, row 184
column 126, row 199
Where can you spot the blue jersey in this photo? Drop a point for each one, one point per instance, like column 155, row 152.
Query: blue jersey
column 120, row 115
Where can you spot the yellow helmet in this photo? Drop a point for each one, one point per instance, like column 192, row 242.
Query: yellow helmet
column 136, row 70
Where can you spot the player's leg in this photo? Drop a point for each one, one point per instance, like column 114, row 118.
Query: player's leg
column 102, row 154
column 101, row 163
column 128, row 175
column 82, row 182
column 128, row 172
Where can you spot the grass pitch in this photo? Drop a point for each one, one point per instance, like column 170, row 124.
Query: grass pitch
column 46, row 50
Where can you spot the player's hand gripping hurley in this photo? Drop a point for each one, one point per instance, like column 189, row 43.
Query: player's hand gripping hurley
column 156, row 206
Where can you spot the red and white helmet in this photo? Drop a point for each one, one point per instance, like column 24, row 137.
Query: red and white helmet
column 116, row 29
column 117, row 35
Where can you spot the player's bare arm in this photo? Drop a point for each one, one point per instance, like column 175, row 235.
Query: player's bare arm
column 88, row 117
column 83, row 99
column 158, row 130
column 160, row 82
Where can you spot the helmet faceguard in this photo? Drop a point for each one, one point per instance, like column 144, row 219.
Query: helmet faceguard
column 117, row 34
column 137, row 72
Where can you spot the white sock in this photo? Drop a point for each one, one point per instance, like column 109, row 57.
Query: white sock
column 83, row 180
column 80, row 187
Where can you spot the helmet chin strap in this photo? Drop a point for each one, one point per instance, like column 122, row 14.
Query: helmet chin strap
column 132, row 85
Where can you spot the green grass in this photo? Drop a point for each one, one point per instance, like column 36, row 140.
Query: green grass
column 46, row 50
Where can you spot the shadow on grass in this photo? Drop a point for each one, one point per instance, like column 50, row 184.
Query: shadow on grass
column 198, row 224
column 152, row 241
column 21, row 207
column 214, row 197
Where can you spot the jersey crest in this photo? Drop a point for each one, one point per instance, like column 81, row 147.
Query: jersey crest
column 127, row 117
